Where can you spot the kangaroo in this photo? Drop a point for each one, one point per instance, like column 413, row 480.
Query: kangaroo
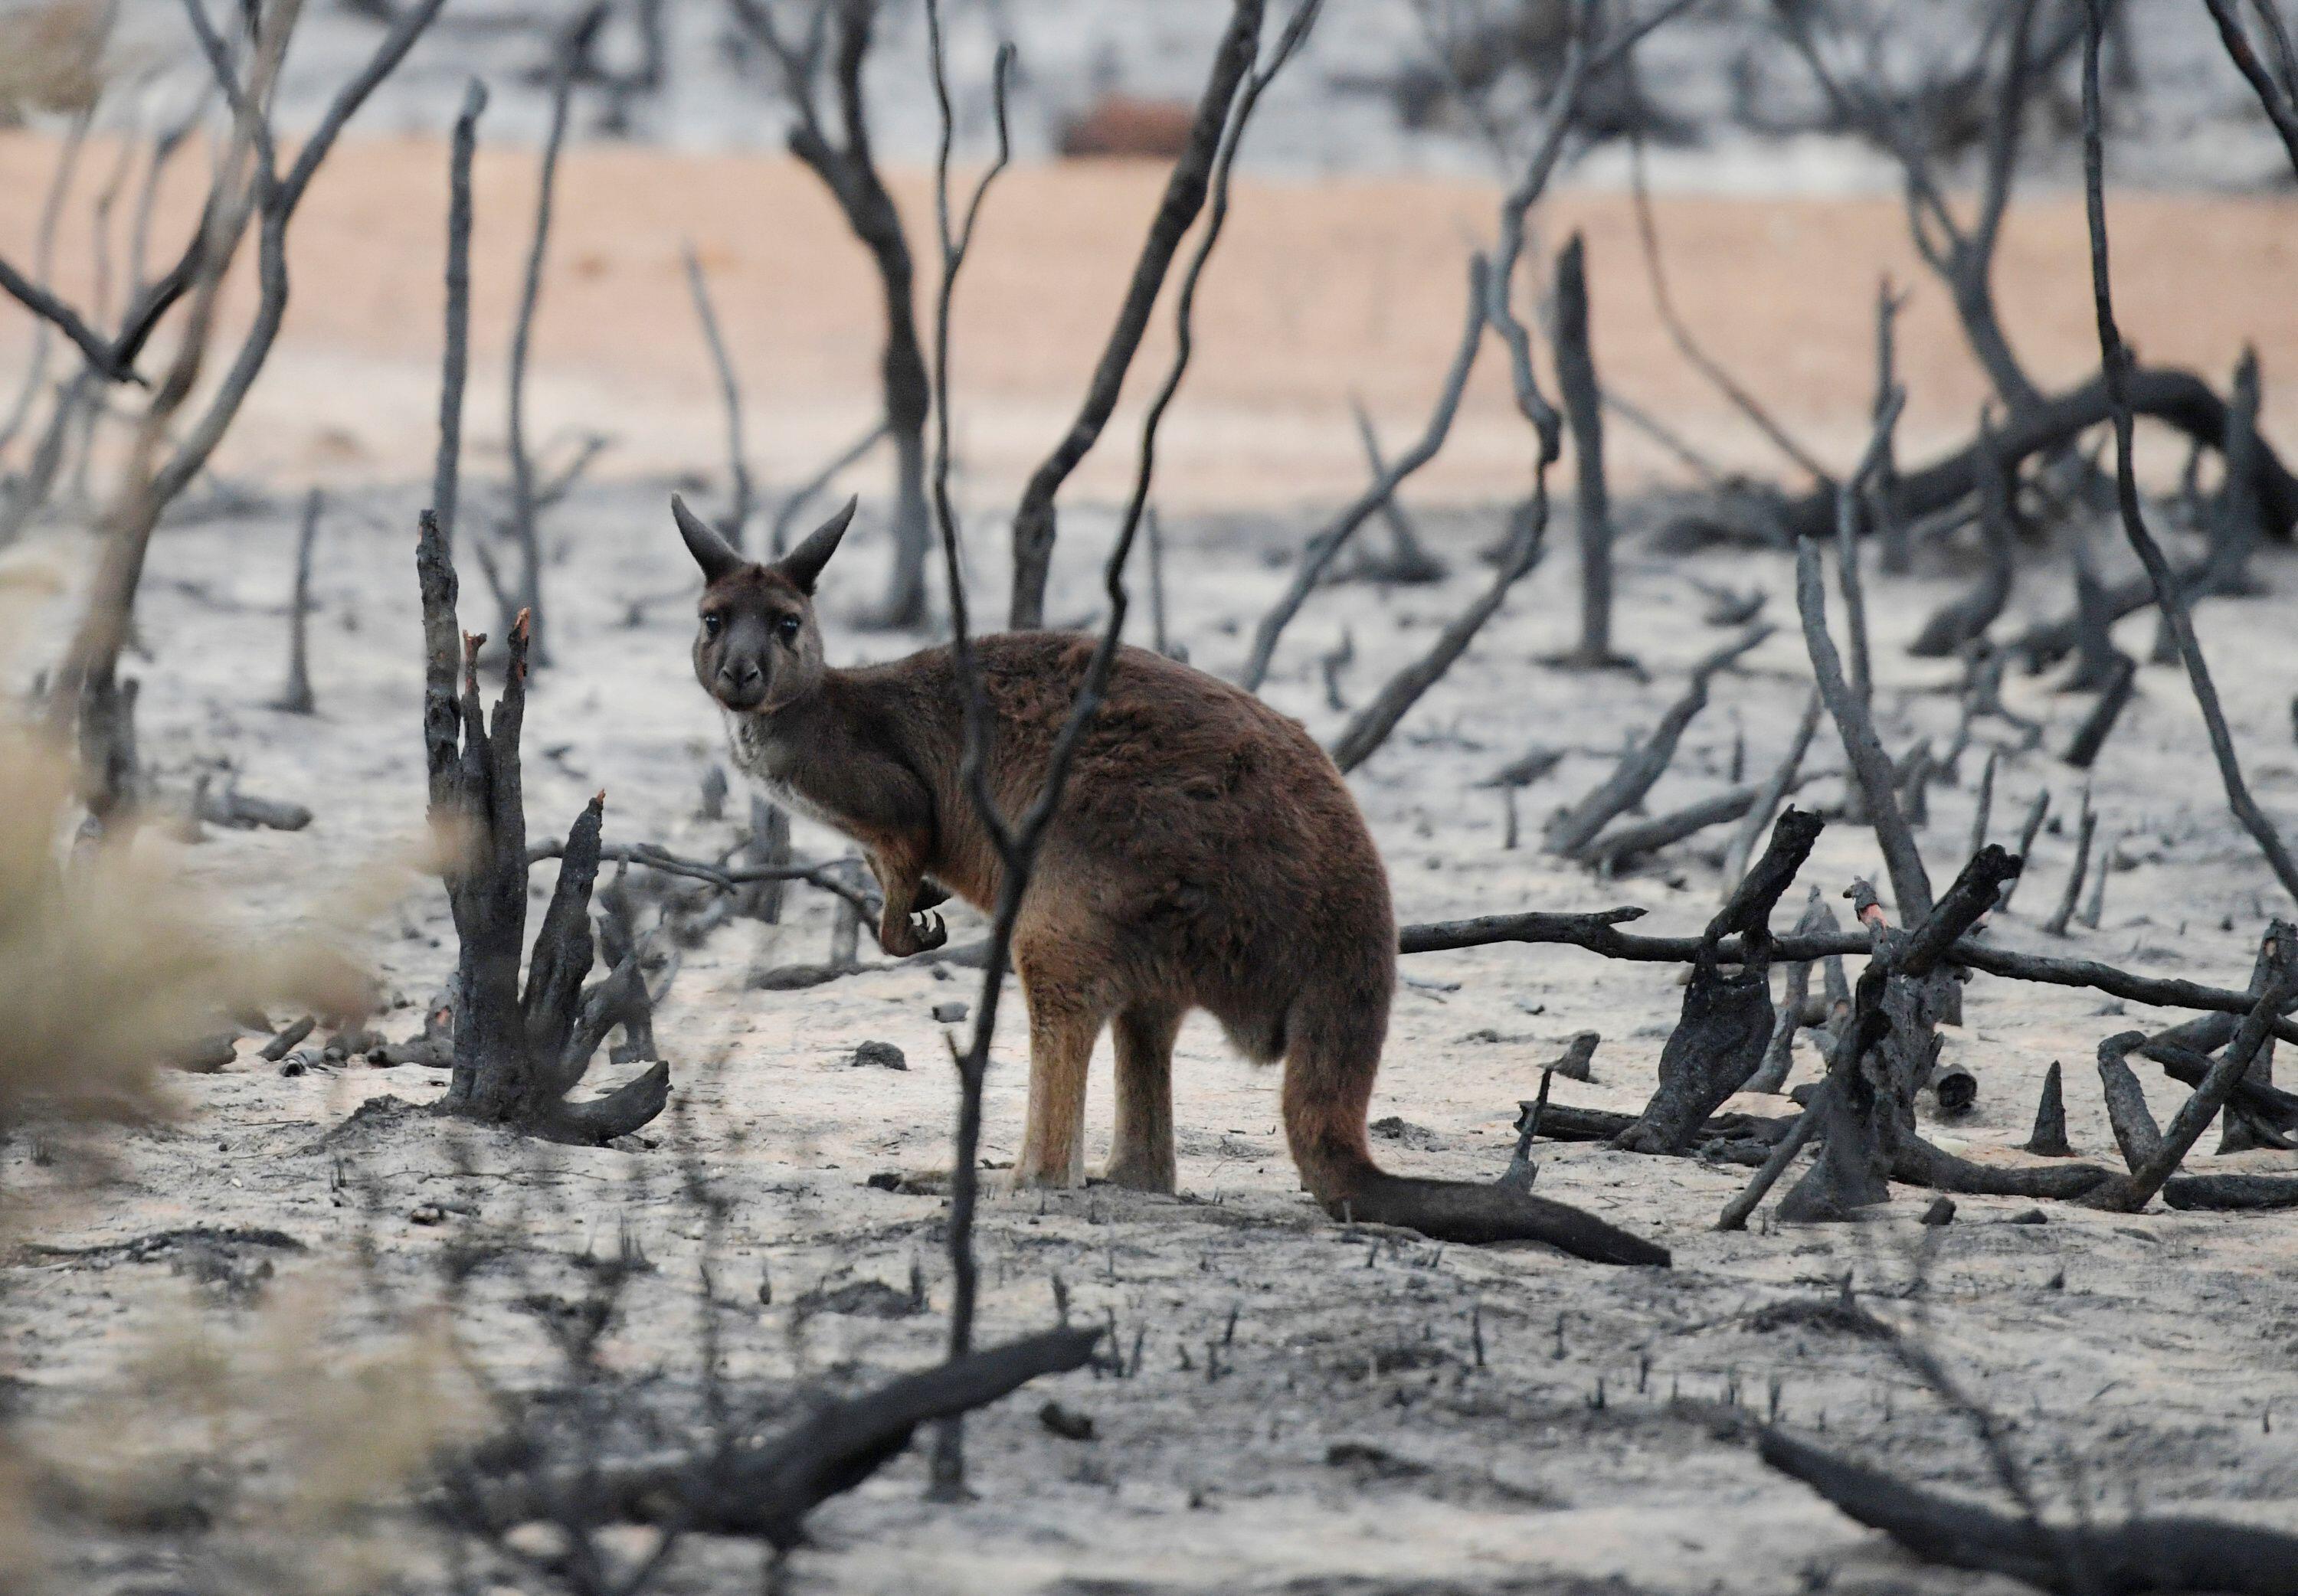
column 1206, row 854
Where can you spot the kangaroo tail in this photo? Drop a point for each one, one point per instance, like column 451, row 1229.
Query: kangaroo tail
column 1329, row 1064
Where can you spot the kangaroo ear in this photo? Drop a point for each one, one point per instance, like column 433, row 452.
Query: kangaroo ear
column 803, row 565
column 713, row 553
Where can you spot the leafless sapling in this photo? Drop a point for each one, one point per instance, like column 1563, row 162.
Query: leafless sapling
column 2115, row 359
column 166, row 453
column 1186, row 187
column 847, row 164
column 735, row 523
column 525, row 598
column 455, row 357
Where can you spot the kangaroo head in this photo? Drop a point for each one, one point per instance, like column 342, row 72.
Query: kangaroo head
column 758, row 647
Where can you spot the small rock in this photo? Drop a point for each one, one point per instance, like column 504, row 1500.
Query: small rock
column 1067, row 1423
column 1940, row 1213
column 950, row 1014
column 2033, row 1216
column 885, row 1180
column 878, row 1055
column 429, row 1213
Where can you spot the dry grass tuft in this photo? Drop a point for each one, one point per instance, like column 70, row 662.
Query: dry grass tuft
column 109, row 963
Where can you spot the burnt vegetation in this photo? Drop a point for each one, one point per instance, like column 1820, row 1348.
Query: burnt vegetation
column 1853, row 929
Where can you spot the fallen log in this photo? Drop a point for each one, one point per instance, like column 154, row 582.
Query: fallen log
column 2178, row 399
column 767, row 1490
column 2138, row 1555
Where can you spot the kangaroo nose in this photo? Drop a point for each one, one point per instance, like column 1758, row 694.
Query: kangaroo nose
column 740, row 675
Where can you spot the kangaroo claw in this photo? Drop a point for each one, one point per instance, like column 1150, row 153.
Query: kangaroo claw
column 929, row 930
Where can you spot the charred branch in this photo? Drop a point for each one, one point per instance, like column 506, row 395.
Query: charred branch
column 1407, row 561
column 1584, row 412
column 1720, row 1039
column 1966, row 619
column 455, row 359
column 1317, row 555
column 2273, row 96
column 766, row 1488
column 2159, row 1163
column 1388, row 708
column 1572, row 829
column 736, row 522
column 1871, row 767
column 527, row 598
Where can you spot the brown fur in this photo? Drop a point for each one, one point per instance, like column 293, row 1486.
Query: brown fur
column 1206, row 854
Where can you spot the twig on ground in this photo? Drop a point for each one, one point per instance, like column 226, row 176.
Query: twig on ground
column 2085, row 833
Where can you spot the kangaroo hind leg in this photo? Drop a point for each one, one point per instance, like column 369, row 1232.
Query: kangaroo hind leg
column 1066, row 1014
column 1141, row 1153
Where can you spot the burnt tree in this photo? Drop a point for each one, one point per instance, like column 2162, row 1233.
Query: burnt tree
column 516, row 1053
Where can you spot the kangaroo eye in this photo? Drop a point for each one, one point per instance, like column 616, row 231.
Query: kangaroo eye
column 788, row 628
column 712, row 625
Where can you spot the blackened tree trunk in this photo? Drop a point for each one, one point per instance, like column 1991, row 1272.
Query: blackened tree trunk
column 516, row 1053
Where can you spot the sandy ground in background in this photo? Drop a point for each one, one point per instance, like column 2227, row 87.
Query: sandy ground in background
column 1321, row 291
column 1350, row 1443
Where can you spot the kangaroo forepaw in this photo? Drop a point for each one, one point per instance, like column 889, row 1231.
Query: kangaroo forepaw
column 912, row 933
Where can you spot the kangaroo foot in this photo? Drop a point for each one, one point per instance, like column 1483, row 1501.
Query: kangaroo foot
column 1031, row 1175
column 1137, row 1174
